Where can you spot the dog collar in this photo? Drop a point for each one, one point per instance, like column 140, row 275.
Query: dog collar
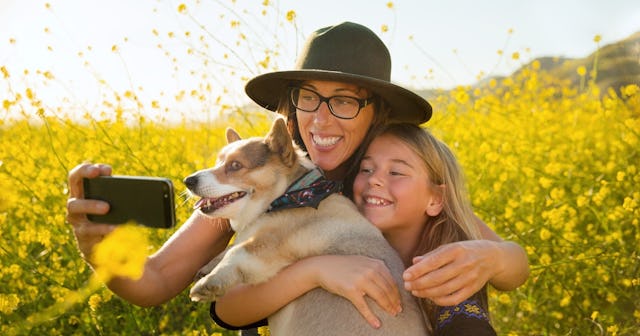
column 307, row 191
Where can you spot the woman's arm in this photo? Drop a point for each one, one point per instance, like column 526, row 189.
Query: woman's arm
column 172, row 268
column 511, row 263
column 453, row 272
column 168, row 271
column 352, row 277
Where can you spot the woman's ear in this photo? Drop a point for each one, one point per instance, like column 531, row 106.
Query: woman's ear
column 435, row 203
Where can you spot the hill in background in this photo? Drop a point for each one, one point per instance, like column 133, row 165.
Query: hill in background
column 616, row 65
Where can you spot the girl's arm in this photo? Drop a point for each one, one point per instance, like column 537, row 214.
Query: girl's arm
column 352, row 277
column 453, row 272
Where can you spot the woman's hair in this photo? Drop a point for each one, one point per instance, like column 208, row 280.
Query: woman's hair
column 380, row 118
column 456, row 221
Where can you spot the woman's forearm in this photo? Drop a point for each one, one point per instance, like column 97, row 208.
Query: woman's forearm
column 246, row 304
column 172, row 268
column 512, row 263
column 513, row 269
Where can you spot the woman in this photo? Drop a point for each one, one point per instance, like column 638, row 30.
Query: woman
column 340, row 66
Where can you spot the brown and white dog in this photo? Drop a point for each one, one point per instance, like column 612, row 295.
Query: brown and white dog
column 248, row 176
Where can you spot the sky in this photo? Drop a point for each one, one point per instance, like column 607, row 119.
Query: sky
column 142, row 45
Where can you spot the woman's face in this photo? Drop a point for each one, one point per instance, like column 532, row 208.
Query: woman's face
column 330, row 141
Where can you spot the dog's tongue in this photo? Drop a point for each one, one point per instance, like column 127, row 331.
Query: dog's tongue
column 200, row 203
column 207, row 205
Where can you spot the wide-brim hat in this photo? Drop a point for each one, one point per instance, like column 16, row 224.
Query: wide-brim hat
column 347, row 52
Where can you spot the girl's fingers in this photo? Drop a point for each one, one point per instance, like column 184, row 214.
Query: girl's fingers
column 363, row 308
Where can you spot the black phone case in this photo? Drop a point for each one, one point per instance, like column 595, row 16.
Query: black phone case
column 148, row 201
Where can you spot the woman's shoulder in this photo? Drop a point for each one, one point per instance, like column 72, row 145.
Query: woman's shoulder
column 466, row 318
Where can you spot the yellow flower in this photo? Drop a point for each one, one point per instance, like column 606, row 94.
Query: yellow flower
column 122, row 253
column 630, row 90
column 182, row 8
column 291, row 15
column 9, row 303
column 504, row 298
column 597, row 38
column 545, row 234
column 515, row 56
column 525, row 306
column 582, row 71
column 545, row 259
column 94, row 301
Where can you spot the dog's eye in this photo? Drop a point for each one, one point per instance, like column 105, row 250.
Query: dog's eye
column 234, row 166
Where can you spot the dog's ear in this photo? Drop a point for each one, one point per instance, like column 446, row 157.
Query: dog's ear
column 232, row 135
column 279, row 141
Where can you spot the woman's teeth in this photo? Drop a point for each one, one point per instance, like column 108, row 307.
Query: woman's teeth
column 325, row 141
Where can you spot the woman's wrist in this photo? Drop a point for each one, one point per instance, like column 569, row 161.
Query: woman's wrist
column 511, row 268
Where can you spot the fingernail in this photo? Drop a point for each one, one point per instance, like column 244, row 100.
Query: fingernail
column 376, row 324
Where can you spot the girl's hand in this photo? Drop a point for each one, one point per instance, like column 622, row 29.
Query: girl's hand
column 86, row 232
column 453, row 272
column 354, row 277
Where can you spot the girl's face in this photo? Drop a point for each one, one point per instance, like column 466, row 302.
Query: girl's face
column 330, row 141
column 392, row 188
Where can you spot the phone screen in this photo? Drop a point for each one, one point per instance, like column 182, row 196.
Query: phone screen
column 148, row 201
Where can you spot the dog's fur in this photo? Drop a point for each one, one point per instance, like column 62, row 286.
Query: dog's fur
column 249, row 175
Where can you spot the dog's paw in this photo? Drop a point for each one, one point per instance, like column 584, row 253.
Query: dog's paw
column 201, row 274
column 206, row 289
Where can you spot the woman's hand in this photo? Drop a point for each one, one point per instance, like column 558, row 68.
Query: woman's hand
column 354, row 277
column 87, row 233
column 453, row 272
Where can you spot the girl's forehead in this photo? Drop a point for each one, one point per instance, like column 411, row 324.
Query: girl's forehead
column 391, row 146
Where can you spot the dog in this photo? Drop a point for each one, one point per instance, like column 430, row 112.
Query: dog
column 249, row 175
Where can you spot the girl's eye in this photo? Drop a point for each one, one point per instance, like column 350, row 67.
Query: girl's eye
column 365, row 170
column 396, row 173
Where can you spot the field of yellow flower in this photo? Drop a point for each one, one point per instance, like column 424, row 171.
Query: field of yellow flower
column 553, row 167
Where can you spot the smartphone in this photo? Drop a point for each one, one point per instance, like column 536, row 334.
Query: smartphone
column 148, row 201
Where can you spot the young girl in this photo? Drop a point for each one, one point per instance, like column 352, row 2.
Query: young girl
column 411, row 187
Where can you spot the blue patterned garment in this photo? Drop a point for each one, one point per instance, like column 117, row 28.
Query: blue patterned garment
column 308, row 191
column 466, row 318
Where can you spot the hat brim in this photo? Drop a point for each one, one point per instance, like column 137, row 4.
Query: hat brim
column 405, row 105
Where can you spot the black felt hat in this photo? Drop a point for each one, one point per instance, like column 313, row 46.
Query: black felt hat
column 347, row 52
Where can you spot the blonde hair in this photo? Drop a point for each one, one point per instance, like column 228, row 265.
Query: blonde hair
column 456, row 221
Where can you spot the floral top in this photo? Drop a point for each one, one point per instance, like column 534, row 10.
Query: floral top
column 466, row 318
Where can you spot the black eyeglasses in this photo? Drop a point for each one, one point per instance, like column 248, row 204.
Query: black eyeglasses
column 343, row 107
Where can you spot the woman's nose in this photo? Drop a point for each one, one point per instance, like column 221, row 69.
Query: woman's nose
column 323, row 114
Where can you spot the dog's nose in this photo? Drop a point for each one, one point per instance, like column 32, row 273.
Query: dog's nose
column 191, row 181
